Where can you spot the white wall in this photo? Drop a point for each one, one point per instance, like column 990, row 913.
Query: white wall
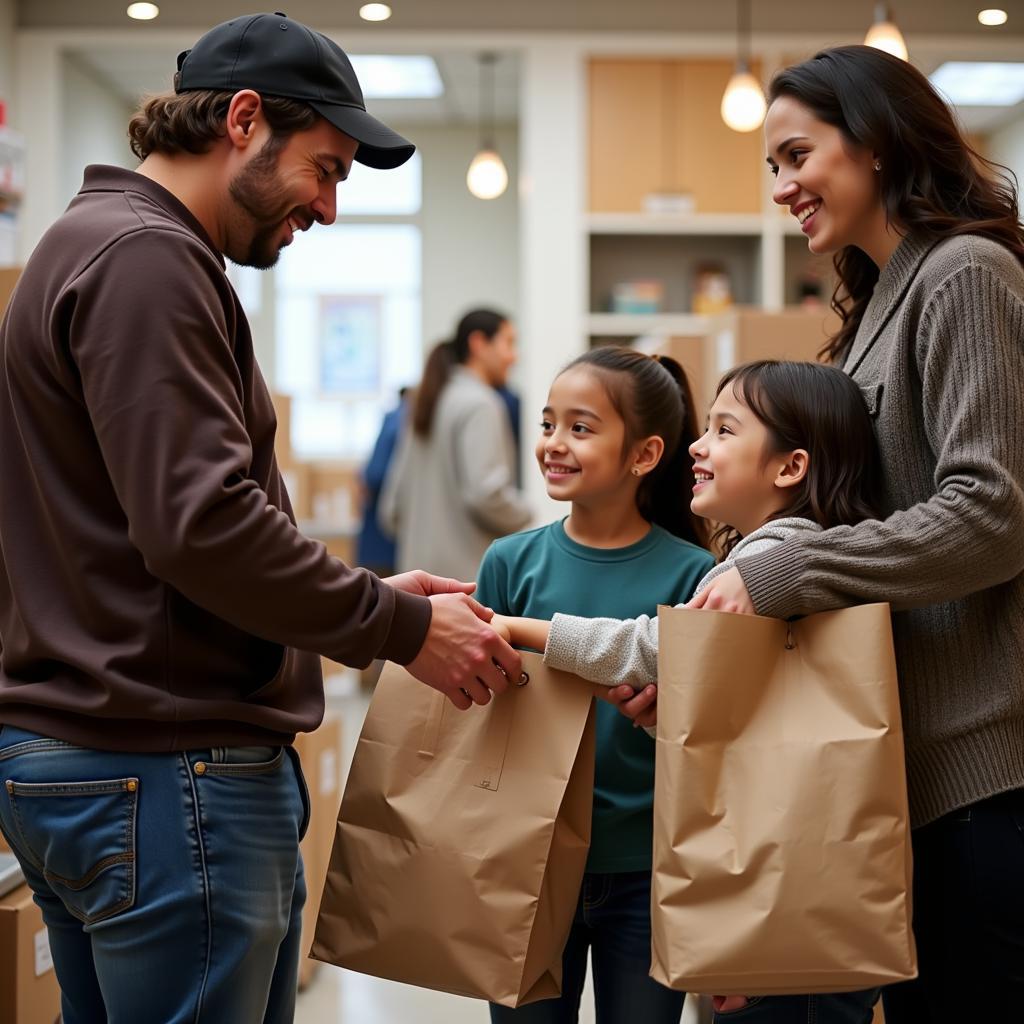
column 94, row 127
column 1006, row 147
column 470, row 245
column 7, row 22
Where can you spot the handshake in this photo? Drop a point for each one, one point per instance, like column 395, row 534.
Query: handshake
column 640, row 706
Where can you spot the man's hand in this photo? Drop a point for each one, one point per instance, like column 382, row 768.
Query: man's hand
column 424, row 585
column 725, row 593
column 463, row 656
column 641, row 706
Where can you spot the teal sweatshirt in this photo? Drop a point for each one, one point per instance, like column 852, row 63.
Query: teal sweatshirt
column 543, row 571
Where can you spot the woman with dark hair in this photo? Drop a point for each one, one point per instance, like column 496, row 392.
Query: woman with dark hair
column 451, row 488
column 928, row 248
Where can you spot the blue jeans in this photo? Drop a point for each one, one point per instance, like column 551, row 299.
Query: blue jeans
column 171, row 884
column 613, row 921
column 842, row 1008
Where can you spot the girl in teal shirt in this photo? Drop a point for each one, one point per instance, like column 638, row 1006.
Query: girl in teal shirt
column 614, row 440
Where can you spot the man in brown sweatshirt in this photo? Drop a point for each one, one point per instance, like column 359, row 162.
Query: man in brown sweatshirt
column 161, row 617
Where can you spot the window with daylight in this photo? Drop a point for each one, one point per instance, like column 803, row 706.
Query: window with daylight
column 347, row 314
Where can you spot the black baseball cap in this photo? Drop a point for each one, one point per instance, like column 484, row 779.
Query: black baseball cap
column 277, row 56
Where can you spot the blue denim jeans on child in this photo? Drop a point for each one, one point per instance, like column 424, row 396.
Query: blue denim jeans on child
column 171, row 884
column 613, row 923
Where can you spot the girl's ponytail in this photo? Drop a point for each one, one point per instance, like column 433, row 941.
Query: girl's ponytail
column 664, row 496
column 653, row 397
column 443, row 358
column 436, row 372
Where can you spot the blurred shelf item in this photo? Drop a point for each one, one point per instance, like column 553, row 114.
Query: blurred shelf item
column 635, row 324
column 709, row 224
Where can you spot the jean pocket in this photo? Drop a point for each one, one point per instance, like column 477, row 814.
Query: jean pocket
column 81, row 836
column 264, row 767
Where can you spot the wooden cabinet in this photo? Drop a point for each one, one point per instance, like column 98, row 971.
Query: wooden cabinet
column 655, row 127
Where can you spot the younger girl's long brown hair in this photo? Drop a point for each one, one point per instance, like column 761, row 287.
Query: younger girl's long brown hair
column 820, row 409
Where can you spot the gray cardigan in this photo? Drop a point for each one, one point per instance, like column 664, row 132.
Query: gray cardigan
column 940, row 358
column 613, row 651
column 446, row 497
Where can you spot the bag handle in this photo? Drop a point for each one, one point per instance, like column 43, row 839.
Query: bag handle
column 486, row 768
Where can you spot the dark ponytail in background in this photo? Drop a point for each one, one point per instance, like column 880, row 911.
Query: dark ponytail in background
column 653, row 397
column 443, row 358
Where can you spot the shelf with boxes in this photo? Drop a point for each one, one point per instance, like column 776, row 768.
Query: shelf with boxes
column 325, row 495
column 680, row 222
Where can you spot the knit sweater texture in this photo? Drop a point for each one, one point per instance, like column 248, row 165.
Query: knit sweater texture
column 613, row 651
column 940, row 357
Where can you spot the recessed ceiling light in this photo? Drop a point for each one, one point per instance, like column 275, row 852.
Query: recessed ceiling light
column 992, row 16
column 980, row 83
column 392, row 77
column 375, row 12
column 143, row 12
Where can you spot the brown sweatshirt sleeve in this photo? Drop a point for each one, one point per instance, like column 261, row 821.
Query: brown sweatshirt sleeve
column 164, row 390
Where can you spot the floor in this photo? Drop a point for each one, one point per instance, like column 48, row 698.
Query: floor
column 344, row 997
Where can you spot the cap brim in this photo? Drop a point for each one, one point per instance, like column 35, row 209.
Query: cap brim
column 379, row 146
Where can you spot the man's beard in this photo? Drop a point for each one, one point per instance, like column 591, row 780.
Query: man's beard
column 258, row 191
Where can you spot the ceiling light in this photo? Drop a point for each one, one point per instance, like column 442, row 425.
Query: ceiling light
column 743, row 104
column 980, row 83
column 884, row 35
column 375, row 12
column 393, row 77
column 992, row 16
column 143, row 12
column 487, row 177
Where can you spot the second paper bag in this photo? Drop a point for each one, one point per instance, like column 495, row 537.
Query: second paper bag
column 781, row 844
column 462, row 838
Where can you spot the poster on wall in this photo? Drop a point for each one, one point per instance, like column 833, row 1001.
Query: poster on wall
column 350, row 344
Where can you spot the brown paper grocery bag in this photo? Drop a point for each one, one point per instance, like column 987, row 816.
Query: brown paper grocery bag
column 781, row 836
column 462, row 838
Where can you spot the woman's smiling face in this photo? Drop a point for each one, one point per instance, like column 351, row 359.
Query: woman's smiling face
column 829, row 184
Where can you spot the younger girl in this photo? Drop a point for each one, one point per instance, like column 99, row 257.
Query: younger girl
column 789, row 449
column 613, row 442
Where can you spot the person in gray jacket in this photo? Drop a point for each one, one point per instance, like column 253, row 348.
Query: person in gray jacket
column 451, row 489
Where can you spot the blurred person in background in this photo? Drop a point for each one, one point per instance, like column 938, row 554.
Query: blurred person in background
column 375, row 549
column 451, row 490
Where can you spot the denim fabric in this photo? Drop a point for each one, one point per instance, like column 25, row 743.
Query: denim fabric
column 840, row 1008
column 171, row 884
column 613, row 922
column 968, row 918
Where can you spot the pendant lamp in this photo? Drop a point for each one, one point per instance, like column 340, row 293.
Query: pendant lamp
column 743, row 104
column 884, row 35
column 487, row 177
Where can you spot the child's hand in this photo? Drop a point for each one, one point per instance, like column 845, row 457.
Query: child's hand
column 640, row 706
column 499, row 623
column 723, row 1004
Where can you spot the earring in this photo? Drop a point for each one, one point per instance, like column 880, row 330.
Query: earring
column 636, row 472
column 878, row 165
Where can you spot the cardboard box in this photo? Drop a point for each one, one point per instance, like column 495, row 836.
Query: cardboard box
column 29, row 993
column 8, row 279
column 283, row 437
column 319, row 753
